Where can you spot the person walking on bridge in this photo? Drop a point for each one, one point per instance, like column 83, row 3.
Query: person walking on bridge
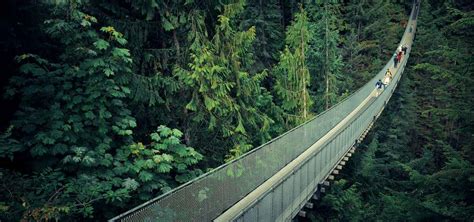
column 378, row 87
column 399, row 56
column 404, row 49
column 395, row 60
column 388, row 77
column 389, row 74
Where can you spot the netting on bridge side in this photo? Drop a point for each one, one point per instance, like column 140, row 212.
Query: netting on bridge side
column 206, row 197
column 284, row 200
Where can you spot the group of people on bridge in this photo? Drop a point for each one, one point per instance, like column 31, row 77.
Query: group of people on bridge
column 397, row 57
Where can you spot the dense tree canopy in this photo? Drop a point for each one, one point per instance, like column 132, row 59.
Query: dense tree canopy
column 107, row 104
column 418, row 165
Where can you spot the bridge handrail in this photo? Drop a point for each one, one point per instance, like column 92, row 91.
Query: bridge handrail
column 267, row 202
column 239, row 177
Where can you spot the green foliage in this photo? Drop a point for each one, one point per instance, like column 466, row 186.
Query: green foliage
column 292, row 74
column 224, row 94
column 75, row 130
column 345, row 201
column 62, row 102
column 419, row 164
column 160, row 165
column 266, row 17
column 326, row 56
column 373, row 29
column 88, row 140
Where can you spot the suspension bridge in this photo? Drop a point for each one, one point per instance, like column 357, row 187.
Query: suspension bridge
column 275, row 181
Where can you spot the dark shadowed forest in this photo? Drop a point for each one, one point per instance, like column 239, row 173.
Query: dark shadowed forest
column 108, row 104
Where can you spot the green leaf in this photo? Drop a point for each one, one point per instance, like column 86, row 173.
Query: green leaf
column 108, row 72
column 120, row 52
column 192, row 105
column 89, row 115
column 149, row 164
column 164, row 167
column 240, row 128
column 101, row 44
column 209, row 103
column 145, row 176
column 155, row 137
column 172, row 140
column 167, row 157
column 177, row 133
column 131, row 184
column 167, row 24
column 165, row 131
column 132, row 123
column 121, row 41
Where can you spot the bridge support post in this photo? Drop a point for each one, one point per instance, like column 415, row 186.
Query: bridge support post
column 302, row 213
column 316, row 195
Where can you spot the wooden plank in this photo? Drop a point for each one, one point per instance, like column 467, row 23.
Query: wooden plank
column 315, row 197
column 302, row 213
column 335, row 172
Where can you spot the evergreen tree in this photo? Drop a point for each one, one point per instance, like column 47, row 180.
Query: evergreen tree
column 292, row 74
column 266, row 17
column 73, row 130
column 224, row 94
column 418, row 165
column 373, row 30
column 325, row 54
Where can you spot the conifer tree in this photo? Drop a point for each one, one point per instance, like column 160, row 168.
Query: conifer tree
column 224, row 94
column 292, row 74
column 325, row 52
column 266, row 17
column 418, row 163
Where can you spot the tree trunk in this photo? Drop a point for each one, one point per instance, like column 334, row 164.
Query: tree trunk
column 176, row 44
column 327, row 53
column 305, row 112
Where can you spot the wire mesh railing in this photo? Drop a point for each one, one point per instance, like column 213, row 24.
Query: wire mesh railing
column 208, row 196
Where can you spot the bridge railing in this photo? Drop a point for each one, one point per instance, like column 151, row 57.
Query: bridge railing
column 283, row 200
column 208, row 196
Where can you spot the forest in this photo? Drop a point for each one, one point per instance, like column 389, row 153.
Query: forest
column 108, row 104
